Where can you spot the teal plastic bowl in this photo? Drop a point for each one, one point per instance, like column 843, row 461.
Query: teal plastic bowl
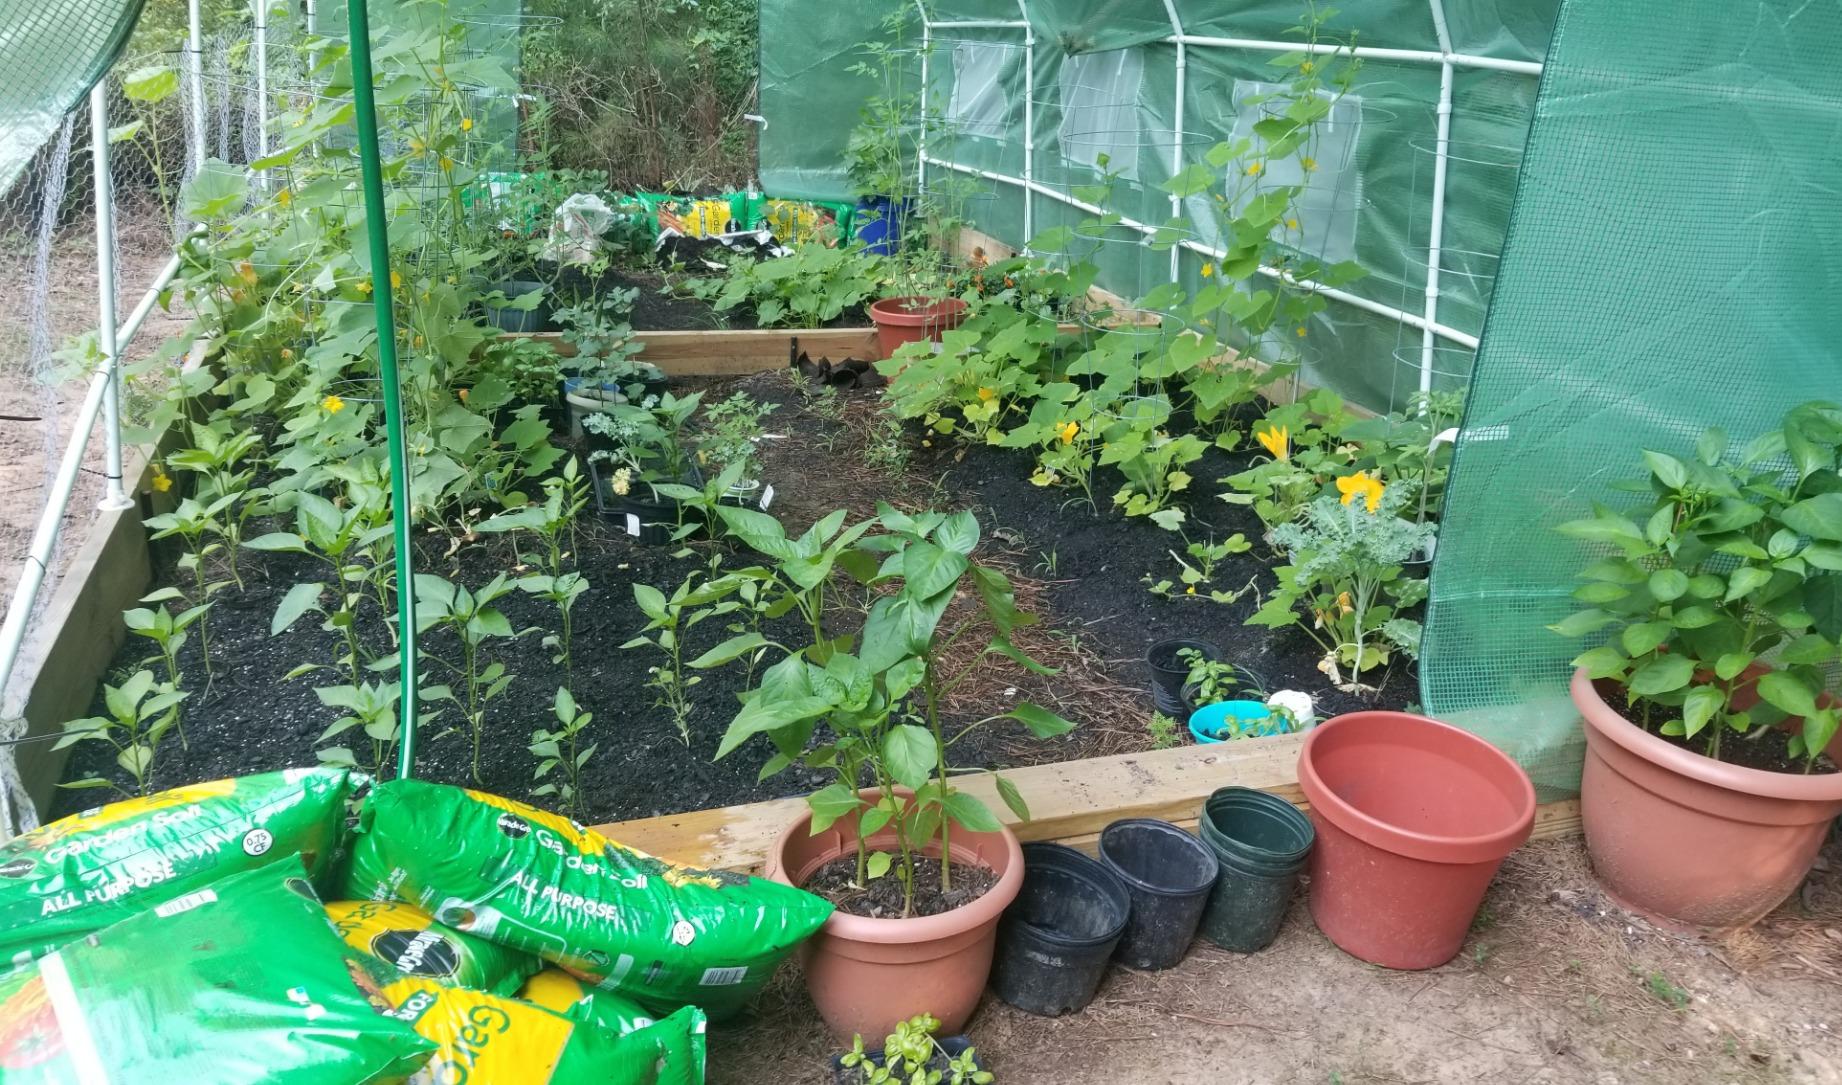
column 1210, row 722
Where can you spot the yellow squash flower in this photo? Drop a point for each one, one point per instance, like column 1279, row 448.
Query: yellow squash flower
column 364, row 286
column 466, row 124
column 284, row 197
column 1310, row 164
column 332, row 404
column 396, row 280
column 986, row 395
column 1254, row 169
column 1208, row 270
column 1277, row 441
column 1291, row 224
column 1300, row 330
column 162, row 481
column 1068, row 431
column 1361, row 485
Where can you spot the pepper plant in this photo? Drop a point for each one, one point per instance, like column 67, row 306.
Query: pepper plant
column 140, row 712
column 1722, row 598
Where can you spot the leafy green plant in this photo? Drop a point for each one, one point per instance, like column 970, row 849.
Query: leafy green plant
column 812, row 285
column 195, row 521
column 912, row 1056
column 602, row 335
column 1727, row 563
column 222, row 460
column 370, row 707
column 732, row 431
column 1213, row 679
column 528, row 368
column 1346, row 588
column 337, row 538
column 475, row 623
column 560, row 754
column 882, row 706
column 1197, row 569
column 668, row 619
column 649, row 438
column 140, row 712
column 1303, row 457
column 1162, row 731
column 168, row 632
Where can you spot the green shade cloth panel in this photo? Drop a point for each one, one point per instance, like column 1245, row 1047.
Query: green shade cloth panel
column 1671, row 264
column 51, row 53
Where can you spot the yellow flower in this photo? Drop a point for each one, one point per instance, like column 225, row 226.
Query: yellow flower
column 1291, row 224
column 1306, row 67
column 1208, row 270
column 466, row 124
column 1343, row 603
column 1361, row 485
column 1276, row 440
column 623, row 481
column 287, row 354
column 162, row 481
column 986, row 395
column 364, row 286
column 247, row 272
column 1254, row 169
column 1068, row 431
column 446, row 163
column 1191, row 590
column 462, row 393
column 284, row 197
column 1300, row 330
column 1310, row 164
column 396, row 280
column 332, row 404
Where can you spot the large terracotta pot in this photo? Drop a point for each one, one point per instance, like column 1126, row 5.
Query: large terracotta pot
column 1687, row 840
column 912, row 319
column 1413, row 817
column 867, row 975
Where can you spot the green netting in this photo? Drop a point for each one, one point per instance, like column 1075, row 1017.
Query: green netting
column 1671, row 265
column 1100, row 76
column 50, row 55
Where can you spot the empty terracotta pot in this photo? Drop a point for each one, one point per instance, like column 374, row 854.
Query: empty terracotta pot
column 1688, row 840
column 912, row 319
column 1413, row 817
column 867, row 975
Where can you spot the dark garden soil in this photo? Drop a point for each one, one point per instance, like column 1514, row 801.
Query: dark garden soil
column 1768, row 751
column 1081, row 572
column 661, row 308
column 882, row 897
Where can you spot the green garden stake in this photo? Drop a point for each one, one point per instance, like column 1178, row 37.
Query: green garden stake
column 378, row 230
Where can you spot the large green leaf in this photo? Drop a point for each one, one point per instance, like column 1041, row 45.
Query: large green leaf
column 910, row 754
column 1786, row 691
column 1041, row 722
column 930, row 570
column 300, row 599
column 968, row 811
column 217, row 192
column 1664, row 675
column 1819, row 517
column 763, row 713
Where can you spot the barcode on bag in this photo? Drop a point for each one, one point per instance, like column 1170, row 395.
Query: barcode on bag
column 185, row 903
column 633, row 525
column 724, row 977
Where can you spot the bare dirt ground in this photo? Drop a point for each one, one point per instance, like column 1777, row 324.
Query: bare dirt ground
column 1555, row 984
column 30, row 446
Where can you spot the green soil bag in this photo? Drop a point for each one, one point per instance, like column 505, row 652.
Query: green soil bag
column 86, row 871
column 559, row 992
column 243, row 980
column 664, row 935
column 481, row 1038
column 410, row 941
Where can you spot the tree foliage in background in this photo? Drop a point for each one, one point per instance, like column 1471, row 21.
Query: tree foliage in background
column 651, row 91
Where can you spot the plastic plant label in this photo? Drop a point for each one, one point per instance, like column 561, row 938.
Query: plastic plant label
column 633, row 525
column 767, row 496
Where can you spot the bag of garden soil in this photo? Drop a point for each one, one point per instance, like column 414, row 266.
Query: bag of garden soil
column 559, row 992
column 83, row 872
column 664, row 935
column 243, row 980
column 485, row 1038
column 409, row 941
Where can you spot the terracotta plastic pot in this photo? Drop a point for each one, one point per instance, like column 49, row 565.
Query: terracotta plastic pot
column 1688, row 840
column 867, row 975
column 912, row 319
column 1413, row 817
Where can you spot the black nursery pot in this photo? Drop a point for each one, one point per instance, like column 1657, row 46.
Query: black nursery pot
column 639, row 514
column 954, row 1046
column 519, row 321
column 1168, row 873
column 1057, row 936
column 1169, row 673
column 1262, row 842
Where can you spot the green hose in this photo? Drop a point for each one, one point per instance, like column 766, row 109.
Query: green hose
column 378, row 230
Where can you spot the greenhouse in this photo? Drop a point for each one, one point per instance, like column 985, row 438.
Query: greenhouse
column 935, row 541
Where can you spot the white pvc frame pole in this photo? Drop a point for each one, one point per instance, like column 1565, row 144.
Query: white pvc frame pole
column 1436, row 233
column 195, row 81
column 1177, row 118
column 113, row 497
column 1422, row 56
column 1029, row 122
column 927, row 41
column 260, row 43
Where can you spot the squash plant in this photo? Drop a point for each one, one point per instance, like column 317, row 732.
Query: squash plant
column 1721, row 601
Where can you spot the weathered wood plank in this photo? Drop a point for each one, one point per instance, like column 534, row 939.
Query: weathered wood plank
column 727, row 352
column 1070, row 802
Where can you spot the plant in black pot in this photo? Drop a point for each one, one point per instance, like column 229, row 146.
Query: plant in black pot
column 732, row 432
column 909, row 1054
column 641, row 449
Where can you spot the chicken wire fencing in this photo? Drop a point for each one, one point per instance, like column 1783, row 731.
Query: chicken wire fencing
column 1410, row 176
column 72, row 234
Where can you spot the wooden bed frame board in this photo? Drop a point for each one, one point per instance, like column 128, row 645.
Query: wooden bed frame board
column 1069, row 802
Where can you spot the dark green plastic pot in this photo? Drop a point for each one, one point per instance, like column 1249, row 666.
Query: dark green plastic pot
column 1261, row 842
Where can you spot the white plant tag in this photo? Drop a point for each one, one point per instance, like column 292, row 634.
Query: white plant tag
column 767, row 496
column 633, row 525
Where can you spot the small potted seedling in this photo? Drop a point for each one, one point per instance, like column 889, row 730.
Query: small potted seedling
column 912, row 1053
column 732, row 436
column 1217, row 709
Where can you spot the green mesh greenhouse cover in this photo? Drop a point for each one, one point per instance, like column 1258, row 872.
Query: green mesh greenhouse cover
column 1025, row 98
column 1672, row 264
column 50, row 54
